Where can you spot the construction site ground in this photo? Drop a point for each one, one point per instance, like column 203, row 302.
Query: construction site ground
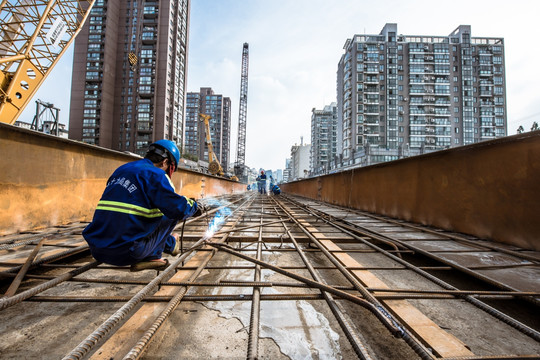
column 214, row 318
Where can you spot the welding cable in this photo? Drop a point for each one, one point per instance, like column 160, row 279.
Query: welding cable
column 182, row 237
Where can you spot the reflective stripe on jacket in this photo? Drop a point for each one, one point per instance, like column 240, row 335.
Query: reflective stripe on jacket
column 137, row 196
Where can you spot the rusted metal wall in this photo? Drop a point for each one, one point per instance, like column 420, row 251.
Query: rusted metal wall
column 490, row 189
column 45, row 180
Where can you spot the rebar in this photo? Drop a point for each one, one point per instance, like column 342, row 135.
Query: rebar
column 15, row 299
column 487, row 308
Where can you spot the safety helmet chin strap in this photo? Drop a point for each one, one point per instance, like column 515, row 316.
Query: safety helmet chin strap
column 166, row 155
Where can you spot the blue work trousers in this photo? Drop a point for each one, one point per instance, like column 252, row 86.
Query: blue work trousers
column 262, row 187
column 149, row 248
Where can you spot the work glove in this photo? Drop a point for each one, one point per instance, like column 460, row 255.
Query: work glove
column 200, row 208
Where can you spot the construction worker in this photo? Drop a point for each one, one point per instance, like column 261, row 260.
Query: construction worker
column 138, row 211
column 261, row 181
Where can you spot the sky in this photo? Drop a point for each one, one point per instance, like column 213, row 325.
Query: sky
column 294, row 50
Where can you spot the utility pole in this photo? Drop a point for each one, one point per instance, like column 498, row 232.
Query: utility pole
column 240, row 164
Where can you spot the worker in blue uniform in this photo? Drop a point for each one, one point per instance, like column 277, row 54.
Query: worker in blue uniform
column 138, row 211
column 261, row 180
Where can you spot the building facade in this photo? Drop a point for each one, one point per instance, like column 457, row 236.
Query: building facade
column 119, row 103
column 401, row 95
column 279, row 176
column 299, row 167
column 323, row 138
column 219, row 108
column 287, row 171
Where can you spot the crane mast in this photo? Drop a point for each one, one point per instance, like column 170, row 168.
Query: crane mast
column 239, row 166
column 34, row 34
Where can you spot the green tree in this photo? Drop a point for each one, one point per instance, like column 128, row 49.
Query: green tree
column 520, row 129
column 189, row 156
column 534, row 126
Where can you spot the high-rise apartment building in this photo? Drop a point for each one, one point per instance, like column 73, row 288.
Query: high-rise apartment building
column 219, row 108
column 300, row 155
column 323, row 138
column 122, row 106
column 287, row 172
column 401, row 95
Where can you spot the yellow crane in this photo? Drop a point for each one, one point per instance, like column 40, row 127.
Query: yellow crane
column 34, row 34
column 213, row 163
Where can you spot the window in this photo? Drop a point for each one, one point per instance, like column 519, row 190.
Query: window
column 145, row 80
column 146, row 53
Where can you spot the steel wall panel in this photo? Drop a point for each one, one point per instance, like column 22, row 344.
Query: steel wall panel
column 489, row 189
column 46, row 180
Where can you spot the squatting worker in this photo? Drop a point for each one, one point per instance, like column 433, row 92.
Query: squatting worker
column 138, row 211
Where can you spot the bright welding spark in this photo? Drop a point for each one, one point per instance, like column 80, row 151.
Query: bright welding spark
column 217, row 221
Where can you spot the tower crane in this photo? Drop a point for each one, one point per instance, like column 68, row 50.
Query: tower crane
column 240, row 164
column 34, row 34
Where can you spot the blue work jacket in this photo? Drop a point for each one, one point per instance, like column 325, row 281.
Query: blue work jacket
column 137, row 196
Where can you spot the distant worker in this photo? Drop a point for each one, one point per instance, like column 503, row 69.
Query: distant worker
column 261, row 181
column 138, row 211
column 276, row 190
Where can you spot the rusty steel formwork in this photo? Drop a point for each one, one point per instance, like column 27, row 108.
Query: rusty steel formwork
column 48, row 181
column 489, row 189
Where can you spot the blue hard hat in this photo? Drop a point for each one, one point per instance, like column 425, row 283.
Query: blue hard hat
column 168, row 145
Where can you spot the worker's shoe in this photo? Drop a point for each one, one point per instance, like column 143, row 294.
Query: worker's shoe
column 156, row 264
column 177, row 246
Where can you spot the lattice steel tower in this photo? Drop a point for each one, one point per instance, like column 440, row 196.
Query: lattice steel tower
column 34, row 34
column 239, row 166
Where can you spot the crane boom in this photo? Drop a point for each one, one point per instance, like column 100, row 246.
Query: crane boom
column 239, row 166
column 34, row 34
column 213, row 163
